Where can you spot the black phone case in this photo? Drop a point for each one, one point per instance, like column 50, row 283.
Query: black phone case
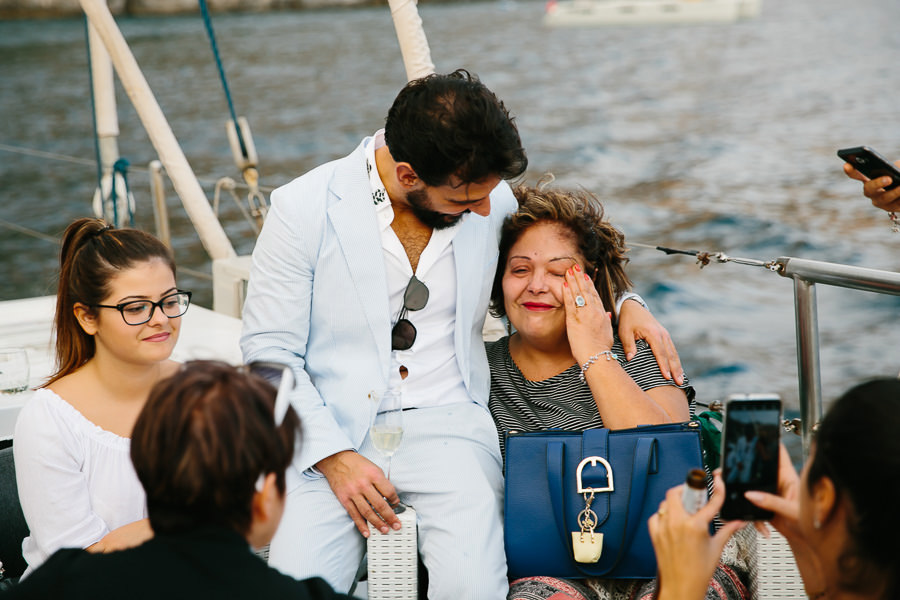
column 871, row 164
column 736, row 507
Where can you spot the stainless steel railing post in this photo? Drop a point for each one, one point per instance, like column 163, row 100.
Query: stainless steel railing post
column 808, row 367
column 806, row 273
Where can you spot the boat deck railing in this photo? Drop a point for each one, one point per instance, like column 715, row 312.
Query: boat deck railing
column 806, row 274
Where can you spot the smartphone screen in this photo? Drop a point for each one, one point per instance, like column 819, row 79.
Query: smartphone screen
column 750, row 453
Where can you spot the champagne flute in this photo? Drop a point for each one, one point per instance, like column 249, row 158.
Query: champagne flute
column 387, row 429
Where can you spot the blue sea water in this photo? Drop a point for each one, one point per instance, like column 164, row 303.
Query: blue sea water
column 710, row 137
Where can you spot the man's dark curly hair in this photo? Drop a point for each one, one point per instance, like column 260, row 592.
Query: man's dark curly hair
column 446, row 125
column 581, row 215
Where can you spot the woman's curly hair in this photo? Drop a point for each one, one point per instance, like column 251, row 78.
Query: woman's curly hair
column 581, row 214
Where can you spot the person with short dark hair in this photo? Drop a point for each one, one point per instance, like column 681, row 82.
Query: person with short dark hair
column 372, row 273
column 838, row 515
column 212, row 459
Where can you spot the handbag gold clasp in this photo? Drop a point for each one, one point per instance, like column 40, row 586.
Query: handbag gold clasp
column 593, row 460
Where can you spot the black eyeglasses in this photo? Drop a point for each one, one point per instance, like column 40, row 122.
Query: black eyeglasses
column 138, row 312
column 403, row 335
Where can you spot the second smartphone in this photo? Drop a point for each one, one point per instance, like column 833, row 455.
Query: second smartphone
column 871, row 164
column 750, row 449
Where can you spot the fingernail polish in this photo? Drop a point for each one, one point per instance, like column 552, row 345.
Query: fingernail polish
column 577, row 269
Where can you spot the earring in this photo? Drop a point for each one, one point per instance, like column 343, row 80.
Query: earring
column 816, row 523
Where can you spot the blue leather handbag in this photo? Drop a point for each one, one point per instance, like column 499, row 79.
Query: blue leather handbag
column 577, row 503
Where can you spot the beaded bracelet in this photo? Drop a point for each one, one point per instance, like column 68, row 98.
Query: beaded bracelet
column 610, row 355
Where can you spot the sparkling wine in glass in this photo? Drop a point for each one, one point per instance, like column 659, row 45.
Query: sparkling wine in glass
column 13, row 370
column 387, row 430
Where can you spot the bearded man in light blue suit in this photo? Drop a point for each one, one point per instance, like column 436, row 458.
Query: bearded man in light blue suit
column 340, row 245
column 418, row 204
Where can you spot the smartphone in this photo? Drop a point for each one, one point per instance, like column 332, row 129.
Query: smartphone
column 750, row 439
column 871, row 164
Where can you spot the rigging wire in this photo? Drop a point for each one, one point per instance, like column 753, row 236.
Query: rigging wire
column 29, row 232
column 50, row 155
column 239, row 133
column 207, row 22
column 704, row 258
column 56, row 241
column 90, row 163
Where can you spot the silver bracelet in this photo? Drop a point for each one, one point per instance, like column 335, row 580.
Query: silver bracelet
column 610, row 355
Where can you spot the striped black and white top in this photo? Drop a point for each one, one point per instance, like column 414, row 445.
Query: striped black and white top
column 563, row 401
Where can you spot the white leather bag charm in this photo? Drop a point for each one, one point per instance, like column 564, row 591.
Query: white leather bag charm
column 586, row 544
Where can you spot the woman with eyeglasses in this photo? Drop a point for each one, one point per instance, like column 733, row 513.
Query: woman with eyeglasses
column 117, row 320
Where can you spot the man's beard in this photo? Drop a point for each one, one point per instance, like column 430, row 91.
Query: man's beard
column 418, row 203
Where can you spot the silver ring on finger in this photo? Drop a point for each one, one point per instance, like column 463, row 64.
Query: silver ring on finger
column 579, row 301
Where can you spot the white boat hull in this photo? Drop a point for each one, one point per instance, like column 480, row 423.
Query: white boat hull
column 639, row 12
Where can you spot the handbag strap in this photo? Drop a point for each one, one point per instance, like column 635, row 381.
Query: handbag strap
column 643, row 463
column 555, row 457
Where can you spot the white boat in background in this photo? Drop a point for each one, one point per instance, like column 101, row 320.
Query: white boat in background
column 562, row 13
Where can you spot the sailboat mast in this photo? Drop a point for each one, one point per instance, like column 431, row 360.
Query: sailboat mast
column 106, row 122
column 211, row 233
column 411, row 36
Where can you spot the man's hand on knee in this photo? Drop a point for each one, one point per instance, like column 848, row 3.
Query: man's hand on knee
column 362, row 489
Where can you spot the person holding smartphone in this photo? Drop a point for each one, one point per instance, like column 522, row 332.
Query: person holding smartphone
column 838, row 515
column 874, row 189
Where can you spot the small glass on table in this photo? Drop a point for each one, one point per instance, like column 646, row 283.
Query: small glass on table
column 13, row 370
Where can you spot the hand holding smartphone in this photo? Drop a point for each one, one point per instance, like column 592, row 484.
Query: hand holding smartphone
column 750, row 443
column 871, row 164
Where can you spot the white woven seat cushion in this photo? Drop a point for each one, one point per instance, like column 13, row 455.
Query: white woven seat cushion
column 776, row 574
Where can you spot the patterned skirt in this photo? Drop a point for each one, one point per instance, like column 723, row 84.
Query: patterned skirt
column 729, row 582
